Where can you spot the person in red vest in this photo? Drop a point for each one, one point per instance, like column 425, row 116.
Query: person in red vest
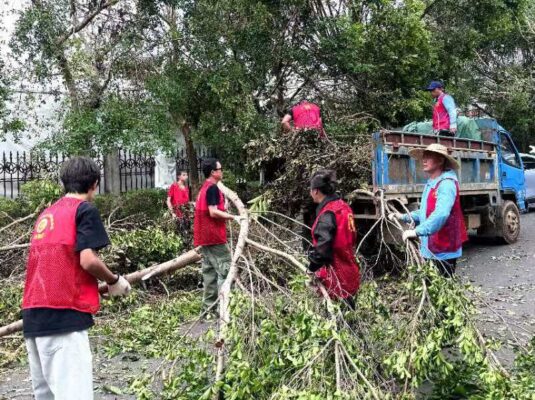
column 444, row 110
column 61, row 289
column 178, row 195
column 305, row 116
column 210, row 232
column 332, row 257
column 440, row 219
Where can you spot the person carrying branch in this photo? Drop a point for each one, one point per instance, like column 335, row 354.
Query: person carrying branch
column 61, row 288
column 332, row 257
column 305, row 116
column 444, row 110
column 210, row 232
column 440, row 219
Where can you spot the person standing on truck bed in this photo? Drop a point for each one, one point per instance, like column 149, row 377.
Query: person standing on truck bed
column 440, row 218
column 444, row 110
column 305, row 116
column 332, row 257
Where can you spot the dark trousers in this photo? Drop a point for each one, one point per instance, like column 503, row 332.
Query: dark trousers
column 446, row 267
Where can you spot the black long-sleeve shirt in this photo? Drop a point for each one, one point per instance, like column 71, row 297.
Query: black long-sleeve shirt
column 322, row 253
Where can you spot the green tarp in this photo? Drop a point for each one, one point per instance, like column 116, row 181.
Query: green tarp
column 466, row 128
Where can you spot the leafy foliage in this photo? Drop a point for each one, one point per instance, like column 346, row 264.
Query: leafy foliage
column 40, row 192
column 144, row 247
column 287, row 353
column 149, row 203
column 151, row 326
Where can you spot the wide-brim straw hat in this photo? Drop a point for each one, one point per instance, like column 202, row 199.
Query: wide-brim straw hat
column 439, row 149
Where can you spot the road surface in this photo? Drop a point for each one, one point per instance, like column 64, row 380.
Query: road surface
column 505, row 276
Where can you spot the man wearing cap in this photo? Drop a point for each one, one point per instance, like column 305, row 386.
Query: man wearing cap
column 440, row 220
column 444, row 110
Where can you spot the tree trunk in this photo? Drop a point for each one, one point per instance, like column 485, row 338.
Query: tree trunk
column 112, row 174
column 183, row 129
column 191, row 154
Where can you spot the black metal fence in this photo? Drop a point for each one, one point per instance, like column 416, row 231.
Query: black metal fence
column 136, row 171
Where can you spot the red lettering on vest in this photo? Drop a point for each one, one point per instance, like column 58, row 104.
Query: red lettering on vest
column 441, row 118
column 54, row 277
column 342, row 277
column 208, row 231
column 452, row 235
column 307, row 116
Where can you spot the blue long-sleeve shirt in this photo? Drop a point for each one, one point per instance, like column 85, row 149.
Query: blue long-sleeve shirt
column 451, row 108
column 446, row 194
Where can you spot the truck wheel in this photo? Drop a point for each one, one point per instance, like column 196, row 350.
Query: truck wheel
column 509, row 222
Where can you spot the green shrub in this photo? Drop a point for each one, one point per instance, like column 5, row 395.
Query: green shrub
column 149, row 202
column 38, row 192
column 141, row 248
column 11, row 209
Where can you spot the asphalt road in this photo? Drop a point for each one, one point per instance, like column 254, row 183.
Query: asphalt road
column 505, row 276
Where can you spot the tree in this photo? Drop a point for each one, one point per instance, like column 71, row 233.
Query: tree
column 89, row 43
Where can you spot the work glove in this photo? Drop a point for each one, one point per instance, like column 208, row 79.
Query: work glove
column 119, row 288
column 395, row 216
column 239, row 219
column 409, row 234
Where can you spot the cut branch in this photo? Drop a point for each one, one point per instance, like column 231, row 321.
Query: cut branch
column 182, row 261
column 224, row 293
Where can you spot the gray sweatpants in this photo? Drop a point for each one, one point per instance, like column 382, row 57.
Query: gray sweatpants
column 61, row 366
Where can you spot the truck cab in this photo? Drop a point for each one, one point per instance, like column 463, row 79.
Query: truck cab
column 491, row 178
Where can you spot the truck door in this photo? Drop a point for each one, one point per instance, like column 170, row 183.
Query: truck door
column 511, row 170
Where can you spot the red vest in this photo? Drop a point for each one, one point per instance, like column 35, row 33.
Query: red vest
column 307, row 116
column 342, row 277
column 179, row 196
column 54, row 277
column 453, row 234
column 441, row 118
column 208, row 231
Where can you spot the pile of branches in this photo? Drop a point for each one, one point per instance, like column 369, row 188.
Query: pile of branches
column 290, row 160
column 280, row 336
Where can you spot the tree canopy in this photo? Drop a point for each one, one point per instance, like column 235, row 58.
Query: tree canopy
column 140, row 73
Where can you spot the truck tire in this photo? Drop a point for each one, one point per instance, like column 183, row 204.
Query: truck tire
column 509, row 224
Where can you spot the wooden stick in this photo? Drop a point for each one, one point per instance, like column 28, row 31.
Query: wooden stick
column 11, row 328
column 15, row 247
column 182, row 261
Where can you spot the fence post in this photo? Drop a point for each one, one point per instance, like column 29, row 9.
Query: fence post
column 112, row 178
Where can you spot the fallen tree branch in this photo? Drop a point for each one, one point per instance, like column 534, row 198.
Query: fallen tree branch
column 182, row 261
column 18, row 221
column 224, row 293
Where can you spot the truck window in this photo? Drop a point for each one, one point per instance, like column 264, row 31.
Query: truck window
column 508, row 152
column 529, row 162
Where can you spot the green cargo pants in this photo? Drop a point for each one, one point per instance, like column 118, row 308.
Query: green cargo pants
column 215, row 265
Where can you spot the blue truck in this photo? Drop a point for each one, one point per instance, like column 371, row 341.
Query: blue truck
column 492, row 183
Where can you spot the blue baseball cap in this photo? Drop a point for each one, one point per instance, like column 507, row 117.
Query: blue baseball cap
column 435, row 85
